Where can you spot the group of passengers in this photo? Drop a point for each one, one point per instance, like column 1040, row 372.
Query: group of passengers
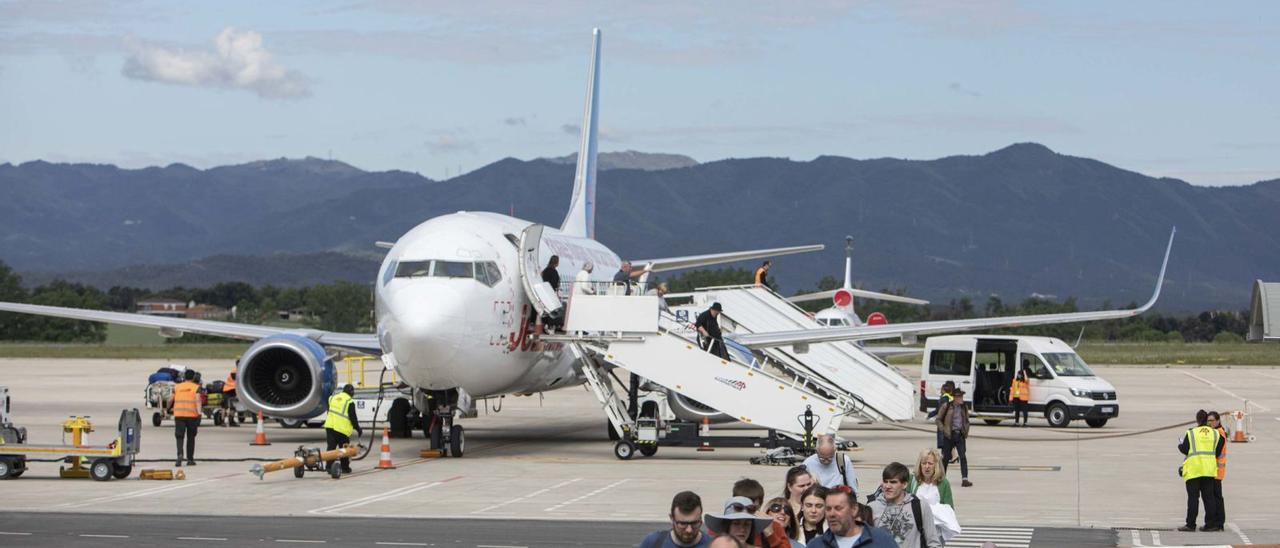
column 819, row 507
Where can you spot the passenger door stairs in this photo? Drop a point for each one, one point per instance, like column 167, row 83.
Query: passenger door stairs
column 882, row 392
column 624, row 331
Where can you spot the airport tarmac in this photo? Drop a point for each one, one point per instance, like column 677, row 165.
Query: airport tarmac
column 548, row 459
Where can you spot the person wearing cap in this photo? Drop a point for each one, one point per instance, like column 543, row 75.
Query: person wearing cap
column 686, row 525
column 339, row 423
column 708, row 326
column 953, row 422
column 738, row 521
column 582, row 281
column 845, row 527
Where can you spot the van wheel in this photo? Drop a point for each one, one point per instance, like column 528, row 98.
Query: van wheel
column 993, row 422
column 398, row 418
column 1096, row 423
column 1058, row 415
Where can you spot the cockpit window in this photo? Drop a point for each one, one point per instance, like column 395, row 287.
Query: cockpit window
column 453, row 269
column 485, row 272
column 390, row 272
column 413, row 269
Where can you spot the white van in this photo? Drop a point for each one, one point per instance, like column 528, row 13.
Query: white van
column 1062, row 385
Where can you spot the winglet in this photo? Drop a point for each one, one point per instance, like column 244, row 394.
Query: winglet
column 1160, row 281
column 581, row 218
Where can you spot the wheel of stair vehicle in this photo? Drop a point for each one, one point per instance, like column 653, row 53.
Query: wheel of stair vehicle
column 624, row 450
column 6, row 468
column 648, row 449
column 102, row 469
column 122, row 471
column 457, row 441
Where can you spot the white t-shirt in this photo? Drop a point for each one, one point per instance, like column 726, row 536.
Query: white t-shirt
column 846, row 542
column 582, row 283
column 829, row 475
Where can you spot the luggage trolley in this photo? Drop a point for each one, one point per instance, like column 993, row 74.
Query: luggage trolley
column 114, row 460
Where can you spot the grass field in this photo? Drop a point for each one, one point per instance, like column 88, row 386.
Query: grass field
column 139, row 342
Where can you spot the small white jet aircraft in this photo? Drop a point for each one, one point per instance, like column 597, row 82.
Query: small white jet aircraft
column 841, row 313
column 457, row 300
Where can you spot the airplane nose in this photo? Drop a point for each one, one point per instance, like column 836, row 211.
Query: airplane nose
column 427, row 328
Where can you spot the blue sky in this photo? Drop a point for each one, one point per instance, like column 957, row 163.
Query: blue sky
column 1177, row 89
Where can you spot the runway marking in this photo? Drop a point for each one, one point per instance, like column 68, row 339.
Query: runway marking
column 1267, row 375
column 1136, row 537
column 15, row 533
column 1155, row 538
column 301, row 541
column 1005, row 537
column 498, row 546
column 403, row 544
column 135, row 494
column 1225, row 391
column 381, row 496
column 588, row 495
column 1243, row 537
column 530, row 495
column 104, row 536
column 201, row 538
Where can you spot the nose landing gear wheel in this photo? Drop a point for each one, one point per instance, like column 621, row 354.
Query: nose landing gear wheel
column 457, row 441
column 624, row 450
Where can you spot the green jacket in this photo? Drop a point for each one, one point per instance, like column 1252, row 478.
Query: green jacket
column 944, row 490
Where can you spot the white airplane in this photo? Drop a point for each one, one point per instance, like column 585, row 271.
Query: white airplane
column 456, row 301
column 841, row 312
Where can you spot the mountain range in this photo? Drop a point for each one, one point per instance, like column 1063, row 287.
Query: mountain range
column 1014, row 222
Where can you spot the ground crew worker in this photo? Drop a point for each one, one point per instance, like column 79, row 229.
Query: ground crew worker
column 1220, row 520
column 338, row 425
column 762, row 274
column 186, row 415
column 1019, row 395
column 229, row 397
column 1202, row 445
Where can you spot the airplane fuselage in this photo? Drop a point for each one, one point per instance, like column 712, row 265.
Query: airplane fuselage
column 452, row 312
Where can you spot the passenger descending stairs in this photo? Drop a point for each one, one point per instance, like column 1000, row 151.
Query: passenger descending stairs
column 881, row 391
column 741, row 391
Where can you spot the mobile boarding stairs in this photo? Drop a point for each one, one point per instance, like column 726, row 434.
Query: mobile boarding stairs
column 629, row 331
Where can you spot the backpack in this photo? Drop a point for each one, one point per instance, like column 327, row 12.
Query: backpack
column 915, row 511
column 840, row 467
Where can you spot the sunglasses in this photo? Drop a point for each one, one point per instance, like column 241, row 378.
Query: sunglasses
column 687, row 524
column 775, row 508
column 750, row 509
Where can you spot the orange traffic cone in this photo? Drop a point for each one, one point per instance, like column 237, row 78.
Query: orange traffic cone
column 260, row 437
column 1240, row 435
column 384, row 460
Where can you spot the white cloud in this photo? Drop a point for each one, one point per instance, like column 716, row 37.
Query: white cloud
column 238, row 61
column 449, row 144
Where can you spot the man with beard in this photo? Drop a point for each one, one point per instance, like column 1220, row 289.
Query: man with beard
column 686, row 525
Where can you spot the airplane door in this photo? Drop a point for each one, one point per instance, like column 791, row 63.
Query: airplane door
column 543, row 297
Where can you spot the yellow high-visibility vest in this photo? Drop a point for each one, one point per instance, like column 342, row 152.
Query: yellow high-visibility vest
column 1202, row 460
column 337, row 420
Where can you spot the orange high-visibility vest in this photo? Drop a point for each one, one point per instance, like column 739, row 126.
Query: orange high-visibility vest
column 186, row 400
column 1021, row 390
column 1222, row 460
column 229, row 385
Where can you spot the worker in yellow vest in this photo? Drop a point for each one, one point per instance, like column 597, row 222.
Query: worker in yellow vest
column 339, row 423
column 229, row 398
column 1202, row 445
column 186, row 415
column 1219, row 520
column 1019, row 395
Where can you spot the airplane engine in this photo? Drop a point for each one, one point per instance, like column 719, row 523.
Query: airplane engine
column 287, row 377
column 689, row 409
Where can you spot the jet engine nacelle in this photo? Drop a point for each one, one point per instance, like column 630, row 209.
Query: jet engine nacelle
column 689, row 409
column 287, row 377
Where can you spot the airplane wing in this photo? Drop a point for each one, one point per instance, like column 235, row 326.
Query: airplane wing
column 827, row 295
column 362, row 342
column 910, row 330
column 693, row 261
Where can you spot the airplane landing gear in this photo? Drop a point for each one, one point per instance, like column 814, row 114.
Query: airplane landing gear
column 448, row 438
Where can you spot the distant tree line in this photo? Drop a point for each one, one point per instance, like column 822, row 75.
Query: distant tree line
column 339, row 306
column 345, row 306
